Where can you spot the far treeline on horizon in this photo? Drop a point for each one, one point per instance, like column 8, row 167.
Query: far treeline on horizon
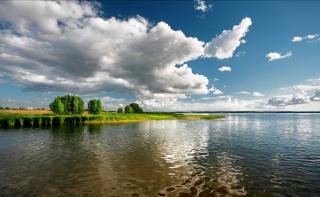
column 72, row 104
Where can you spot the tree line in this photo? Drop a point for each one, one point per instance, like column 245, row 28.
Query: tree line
column 71, row 104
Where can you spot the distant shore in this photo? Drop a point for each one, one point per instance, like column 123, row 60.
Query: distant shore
column 43, row 118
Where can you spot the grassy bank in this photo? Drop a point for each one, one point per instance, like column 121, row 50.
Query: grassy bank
column 30, row 118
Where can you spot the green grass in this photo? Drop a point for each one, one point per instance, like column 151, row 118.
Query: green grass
column 36, row 120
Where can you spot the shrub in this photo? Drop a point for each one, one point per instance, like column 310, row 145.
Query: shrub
column 77, row 119
column 57, row 120
column 5, row 123
column 70, row 120
column 95, row 106
column 46, row 121
column 27, row 122
column 120, row 110
column 36, row 121
column 18, row 122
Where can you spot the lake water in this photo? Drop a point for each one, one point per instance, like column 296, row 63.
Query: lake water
column 242, row 154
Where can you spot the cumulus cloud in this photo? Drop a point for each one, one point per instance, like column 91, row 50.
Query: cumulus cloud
column 304, row 95
column 224, row 69
column 309, row 87
column 66, row 46
column 243, row 92
column 219, row 103
column 284, row 100
column 224, row 45
column 257, row 94
column 202, row 6
column 276, row 56
column 215, row 90
column 316, row 96
column 288, row 99
column 307, row 37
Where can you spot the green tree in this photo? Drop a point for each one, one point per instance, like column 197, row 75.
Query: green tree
column 120, row 110
column 136, row 108
column 70, row 104
column 95, row 106
column 57, row 106
column 128, row 109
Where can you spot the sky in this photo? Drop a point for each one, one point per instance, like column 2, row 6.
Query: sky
column 164, row 55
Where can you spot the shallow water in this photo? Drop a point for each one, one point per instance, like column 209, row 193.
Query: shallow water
column 242, row 154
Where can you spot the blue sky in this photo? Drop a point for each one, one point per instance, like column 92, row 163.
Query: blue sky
column 162, row 54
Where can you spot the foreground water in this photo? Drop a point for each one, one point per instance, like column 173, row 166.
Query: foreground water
column 243, row 154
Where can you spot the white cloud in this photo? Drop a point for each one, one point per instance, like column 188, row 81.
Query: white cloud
column 308, row 87
column 224, row 45
column 303, row 96
column 202, row 6
column 224, row 69
column 215, row 79
column 215, row 90
column 243, row 92
column 276, row 56
column 223, row 103
column 316, row 96
column 257, row 94
column 240, row 53
column 284, row 100
column 307, row 37
column 297, row 39
column 59, row 46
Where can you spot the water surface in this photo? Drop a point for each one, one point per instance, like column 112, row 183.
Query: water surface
column 241, row 155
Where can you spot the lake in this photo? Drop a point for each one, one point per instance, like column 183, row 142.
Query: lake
column 240, row 155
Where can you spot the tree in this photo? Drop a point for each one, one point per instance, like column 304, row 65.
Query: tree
column 128, row 109
column 70, row 104
column 95, row 106
column 120, row 110
column 57, row 106
column 136, row 108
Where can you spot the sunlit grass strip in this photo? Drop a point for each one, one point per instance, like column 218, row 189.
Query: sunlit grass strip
column 18, row 121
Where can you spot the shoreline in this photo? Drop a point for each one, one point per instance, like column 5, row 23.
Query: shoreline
column 47, row 120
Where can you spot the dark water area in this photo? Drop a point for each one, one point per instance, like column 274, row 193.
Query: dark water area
column 240, row 155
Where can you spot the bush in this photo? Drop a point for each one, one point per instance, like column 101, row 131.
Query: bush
column 18, row 122
column 57, row 120
column 67, row 104
column 5, row 123
column 46, row 121
column 95, row 106
column 27, row 122
column 36, row 121
column 120, row 110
